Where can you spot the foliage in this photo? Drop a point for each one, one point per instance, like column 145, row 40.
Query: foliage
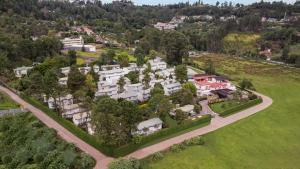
column 72, row 57
column 181, row 73
column 133, row 76
column 246, row 84
column 75, row 79
column 35, row 145
column 157, row 156
column 209, row 67
column 125, row 164
column 180, row 116
column 191, row 87
column 182, row 97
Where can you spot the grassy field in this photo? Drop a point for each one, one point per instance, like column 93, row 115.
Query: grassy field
column 241, row 41
column 266, row 140
column 226, row 105
column 7, row 103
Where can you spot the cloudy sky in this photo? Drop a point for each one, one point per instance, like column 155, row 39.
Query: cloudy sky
column 154, row 2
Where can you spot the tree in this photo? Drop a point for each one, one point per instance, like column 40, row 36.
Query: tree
column 246, row 84
column 297, row 62
column 197, row 108
column 181, row 73
column 180, row 116
column 146, row 80
column 108, row 123
column 121, row 83
column 175, row 45
column 153, row 54
column 209, row 67
column 72, row 57
column 75, row 79
column 133, row 76
column 157, row 90
column 123, row 60
column 182, row 97
column 285, row 53
column 36, row 83
column 4, row 63
column 107, row 57
column 191, row 87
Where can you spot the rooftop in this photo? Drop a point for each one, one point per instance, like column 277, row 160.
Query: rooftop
column 149, row 123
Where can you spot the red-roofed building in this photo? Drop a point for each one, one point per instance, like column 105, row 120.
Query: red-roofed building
column 207, row 83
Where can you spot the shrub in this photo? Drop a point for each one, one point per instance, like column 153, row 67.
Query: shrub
column 137, row 139
column 125, row 164
column 177, row 147
column 194, row 141
column 157, row 156
column 38, row 158
column 6, row 159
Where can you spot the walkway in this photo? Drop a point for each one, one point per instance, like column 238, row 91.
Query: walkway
column 101, row 159
column 216, row 123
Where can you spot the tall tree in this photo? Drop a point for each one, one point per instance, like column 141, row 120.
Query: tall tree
column 72, row 56
column 176, row 46
column 75, row 79
column 181, row 73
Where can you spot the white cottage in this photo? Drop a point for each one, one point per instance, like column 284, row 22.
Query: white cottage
column 149, row 126
column 22, row 71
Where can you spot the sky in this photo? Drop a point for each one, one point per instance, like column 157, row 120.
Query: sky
column 155, row 2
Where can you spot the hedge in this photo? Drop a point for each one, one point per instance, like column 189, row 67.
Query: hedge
column 162, row 135
column 240, row 107
column 128, row 148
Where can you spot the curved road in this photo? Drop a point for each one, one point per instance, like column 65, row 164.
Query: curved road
column 103, row 161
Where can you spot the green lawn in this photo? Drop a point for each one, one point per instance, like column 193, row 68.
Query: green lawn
column 226, row 105
column 7, row 103
column 88, row 54
column 266, row 140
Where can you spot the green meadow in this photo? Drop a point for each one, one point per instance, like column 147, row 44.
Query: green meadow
column 269, row 139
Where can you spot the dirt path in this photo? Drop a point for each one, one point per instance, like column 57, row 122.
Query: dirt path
column 101, row 159
column 216, row 123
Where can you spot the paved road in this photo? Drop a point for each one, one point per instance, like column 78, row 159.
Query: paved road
column 102, row 160
column 216, row 123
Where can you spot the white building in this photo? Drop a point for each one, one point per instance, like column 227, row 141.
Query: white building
column 111, row 75
column 110, row 67
column 189, row 109
column 61, row 101
column 84, row 70
column 70, row 110
column 22, row 71
column 148, row 127
column 63, row 80
column 157, row 64
column 65, row 70
column 171, row 87
column 77, row 44
column 165, row 26
column 81, row 118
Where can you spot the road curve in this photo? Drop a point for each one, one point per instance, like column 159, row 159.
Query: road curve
column 216, row 123
column 101, row 160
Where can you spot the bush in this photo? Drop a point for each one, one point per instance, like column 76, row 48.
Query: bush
column 125, row 164
column 6, row 159
column 177, row 147
column 194, row 141
column 157, row 156
column 38, row 158
column 137, row 139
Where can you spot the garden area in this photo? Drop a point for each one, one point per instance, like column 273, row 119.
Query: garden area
column 266, row 140
column 7, row 103
column 27, row 143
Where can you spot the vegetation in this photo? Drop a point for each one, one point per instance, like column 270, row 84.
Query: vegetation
column 251, row 136
column 7, row 103
column 27, row 143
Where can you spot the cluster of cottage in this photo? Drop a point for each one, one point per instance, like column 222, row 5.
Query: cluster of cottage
column 109, row 76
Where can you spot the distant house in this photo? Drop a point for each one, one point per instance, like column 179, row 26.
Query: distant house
column 207, row 83
column 70, row 110
column 111, row 75
column 171, row 87
column 189, row 109
column 157, row 64
column 110, row 67
column 65, row 70
column 63, row 80
column 148, row 127
column 22, row 71
column 77, row 44
column 60, row 102
column 165, row 26
column 81, row 118
column 84, row 70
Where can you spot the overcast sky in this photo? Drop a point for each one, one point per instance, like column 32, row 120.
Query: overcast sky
column 154, row 2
